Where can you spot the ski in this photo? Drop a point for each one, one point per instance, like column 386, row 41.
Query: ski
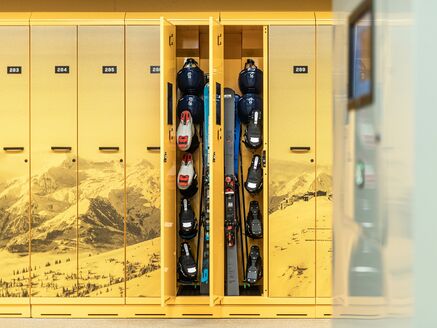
column 231, row 223
column 204, row 279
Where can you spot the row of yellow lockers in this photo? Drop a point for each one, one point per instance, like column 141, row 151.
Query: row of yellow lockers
column 86, row 218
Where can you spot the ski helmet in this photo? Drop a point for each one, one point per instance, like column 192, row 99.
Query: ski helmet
column 251, row 78
column 194, row 104
column 247, row 104
column 190, row 78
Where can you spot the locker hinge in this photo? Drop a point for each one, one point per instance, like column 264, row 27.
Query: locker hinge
column 264, row 159
column 170, row 40
column 213, row 157
column 219, row 39
column 165, row 157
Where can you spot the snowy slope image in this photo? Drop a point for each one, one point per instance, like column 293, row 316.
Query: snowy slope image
column 85, row 224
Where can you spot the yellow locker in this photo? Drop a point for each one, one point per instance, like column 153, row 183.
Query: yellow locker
column 101, row 194
column 54, row 161
column 216, row 160
column 168, row 160
column 292, row 161
column 324, row 153
column 142, row 162
column 14, row 165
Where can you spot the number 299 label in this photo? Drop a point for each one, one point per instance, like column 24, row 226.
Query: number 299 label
column 300, row 69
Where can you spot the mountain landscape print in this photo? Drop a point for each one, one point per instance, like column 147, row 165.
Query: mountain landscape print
column 294, row 189
column 78, row 234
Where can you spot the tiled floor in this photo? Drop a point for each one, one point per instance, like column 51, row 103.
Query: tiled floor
column 159, row 323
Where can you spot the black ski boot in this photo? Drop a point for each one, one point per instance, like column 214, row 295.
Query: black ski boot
column 254, row 265
column 254, row 226
column 253, row 134
column 186, row 264
column 187, row 221
column 254, row 181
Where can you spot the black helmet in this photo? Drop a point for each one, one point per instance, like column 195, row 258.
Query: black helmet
column 251, row 78
column 190, row 78
column 194, row 105
column 248, row 103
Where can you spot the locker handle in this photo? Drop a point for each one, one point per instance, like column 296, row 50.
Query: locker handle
column 61, row 149
column 13, row 149
column 300, row 149
column 153, row 148
column 109, row 149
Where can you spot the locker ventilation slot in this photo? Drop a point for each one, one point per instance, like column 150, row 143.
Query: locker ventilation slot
column 291, row 314
column 103, row 314
column 56, row 314
column 245, row 314
column 12, row 314
column 197, row 314
column 150, row 314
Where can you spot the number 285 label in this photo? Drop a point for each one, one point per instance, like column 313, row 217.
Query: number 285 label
column 109, row 69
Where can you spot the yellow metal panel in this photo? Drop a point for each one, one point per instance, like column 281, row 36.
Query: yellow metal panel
column 291, row 173
column 168, row 160
column 14, row 163
column 324, row 153
column 101, row 170
column 324, row 18
column 265, row 193
column 176, row 18
column 216, row 158
column 142, row 162
column 267, row 18
column 78, row 18
column 54, row 171
column 14, row 19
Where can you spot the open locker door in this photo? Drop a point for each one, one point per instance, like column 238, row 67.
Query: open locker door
column 168, row 161
column 216, row 158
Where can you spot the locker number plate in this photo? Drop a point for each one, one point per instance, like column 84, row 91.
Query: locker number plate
column 62, row 69
column 155, row 69
column 300, row 69
column 14, row 70
column 109, row 69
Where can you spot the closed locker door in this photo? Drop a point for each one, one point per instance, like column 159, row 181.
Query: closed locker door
column 142, row 162
column 54, row 161
column 101, row 193
column 14, row 162
column 292, row 161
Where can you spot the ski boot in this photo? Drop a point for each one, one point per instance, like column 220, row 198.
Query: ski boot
column 187, row 221
column 254, row 265
column 186, row 265
column 187, row 177
column 187, row 139
column 254, row 227
column 254, row 180
column 253, row 134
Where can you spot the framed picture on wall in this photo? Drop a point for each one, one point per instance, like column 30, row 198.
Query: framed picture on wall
column 361, row 64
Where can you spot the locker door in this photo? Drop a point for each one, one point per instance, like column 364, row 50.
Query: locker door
column 14, row 162
column 291, row 162
column 324, row 162
column 101, row 161
column 142, row 162
column 168, row 160
column 216, row 160
column 54, row 165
